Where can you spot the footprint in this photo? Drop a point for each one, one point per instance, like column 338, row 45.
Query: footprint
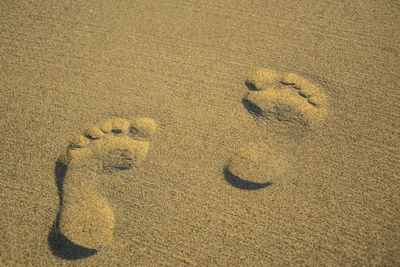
column 255, row 166
column 86, row 218
column 286, row 97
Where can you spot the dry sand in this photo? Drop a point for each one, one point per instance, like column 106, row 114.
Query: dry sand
column 195, row 194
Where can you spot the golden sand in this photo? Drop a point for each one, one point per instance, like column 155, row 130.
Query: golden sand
column 199, row 133
column 258, row 163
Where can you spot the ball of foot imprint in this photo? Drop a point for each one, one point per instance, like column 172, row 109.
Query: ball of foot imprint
column 257, row 163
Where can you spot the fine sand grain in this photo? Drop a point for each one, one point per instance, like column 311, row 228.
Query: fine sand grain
column 200, row 133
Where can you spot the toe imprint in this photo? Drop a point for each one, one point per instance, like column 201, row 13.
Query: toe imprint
column 86, row 218
column 143, row 128
column 285, row 97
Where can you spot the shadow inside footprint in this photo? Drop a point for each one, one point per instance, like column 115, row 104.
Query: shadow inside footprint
column 65, row 249
column 242, row 184
column 252, row 108
column 251, row 86
column 58, row 243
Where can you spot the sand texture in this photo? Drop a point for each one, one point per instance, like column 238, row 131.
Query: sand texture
column 200, row 133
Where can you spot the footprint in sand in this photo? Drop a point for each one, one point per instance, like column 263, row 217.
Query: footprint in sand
column 86, row 217
column 286, row 98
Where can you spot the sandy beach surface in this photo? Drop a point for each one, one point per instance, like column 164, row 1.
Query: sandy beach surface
column 200, row 133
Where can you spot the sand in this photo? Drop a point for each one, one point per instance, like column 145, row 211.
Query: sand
column 200, row 133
